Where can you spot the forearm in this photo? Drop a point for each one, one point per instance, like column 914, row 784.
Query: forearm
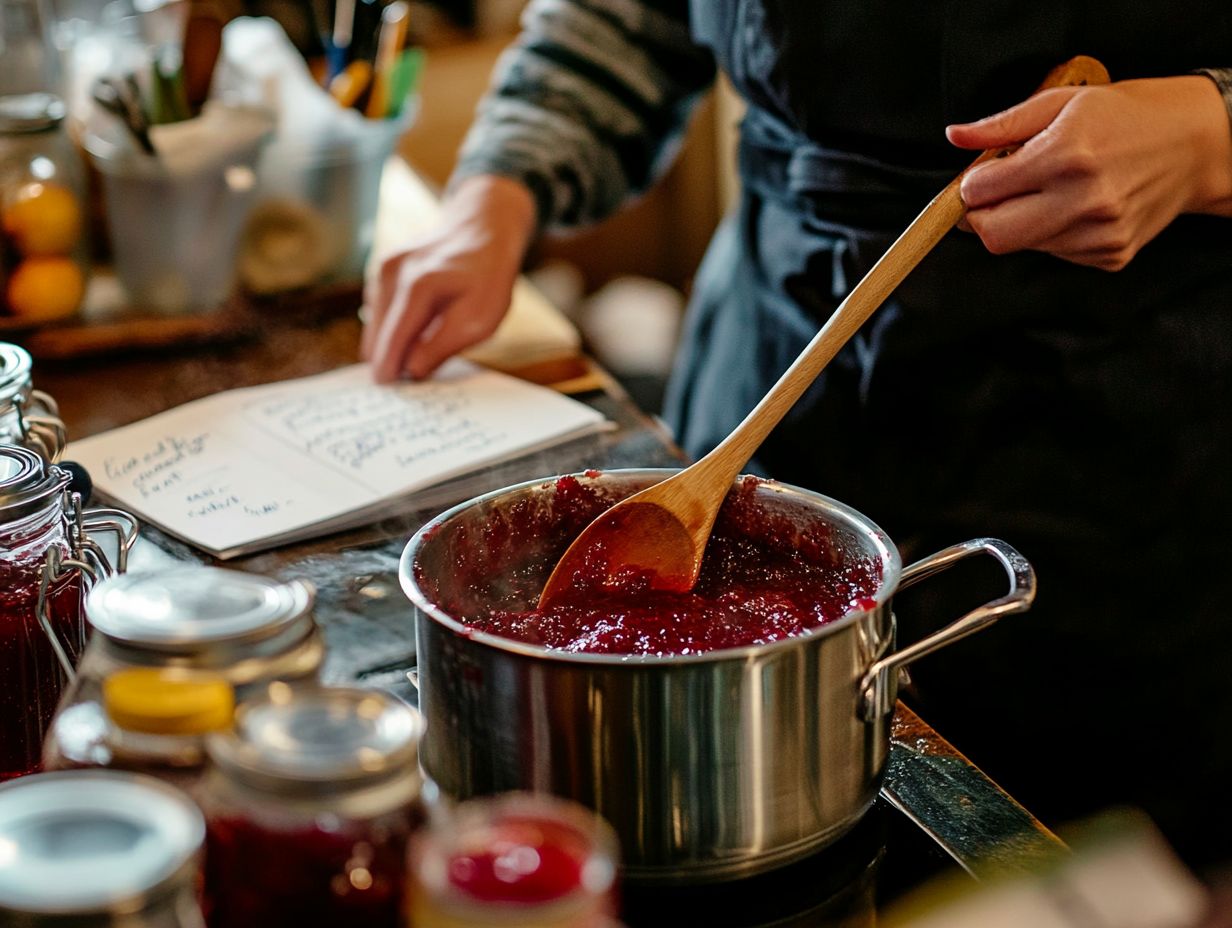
column 588, row 104
column 1218, row 200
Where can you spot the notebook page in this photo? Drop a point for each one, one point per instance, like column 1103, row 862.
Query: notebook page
column 245, row 466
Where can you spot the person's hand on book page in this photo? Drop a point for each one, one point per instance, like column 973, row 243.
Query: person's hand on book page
column 450, row 289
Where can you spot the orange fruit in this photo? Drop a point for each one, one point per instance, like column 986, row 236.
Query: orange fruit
column 43, row 218
column 42, row 289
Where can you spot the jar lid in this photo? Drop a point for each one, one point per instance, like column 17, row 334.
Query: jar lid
column 309, row 740
column 30, row 112
column 204, row 612
column 15, row 377
column 26, row 482
column 90, row 842
column 159, row 701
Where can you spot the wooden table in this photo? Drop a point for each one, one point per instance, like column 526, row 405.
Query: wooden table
column 367, row 620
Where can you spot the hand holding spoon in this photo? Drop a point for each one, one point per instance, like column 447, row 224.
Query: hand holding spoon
column 660, row 533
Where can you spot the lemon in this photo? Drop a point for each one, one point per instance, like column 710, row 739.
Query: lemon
column 43, row 218
column 42, row 289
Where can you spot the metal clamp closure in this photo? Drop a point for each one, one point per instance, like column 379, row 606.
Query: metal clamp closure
column 122, row 524
column 55, row 568
column 88, row 556
column 45, row 433
column 876, row 692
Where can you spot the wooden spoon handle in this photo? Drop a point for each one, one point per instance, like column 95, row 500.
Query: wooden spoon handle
column 929, row 227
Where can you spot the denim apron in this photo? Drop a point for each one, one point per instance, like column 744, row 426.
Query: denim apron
column 1083, row 416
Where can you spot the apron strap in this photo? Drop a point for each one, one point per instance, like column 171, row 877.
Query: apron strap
column 841, row 190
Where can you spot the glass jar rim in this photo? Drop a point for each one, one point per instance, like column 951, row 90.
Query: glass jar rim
column 311, row 741
column 202, row 611
column 156, row 835
column 29, row 113
column 15, row 374
column 28, row 484
column 486, row 822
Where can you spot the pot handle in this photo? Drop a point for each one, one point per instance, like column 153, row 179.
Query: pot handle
column 875, row 691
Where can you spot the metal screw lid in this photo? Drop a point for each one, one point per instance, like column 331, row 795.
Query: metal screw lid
column 87, row 842
column 30, row 112
column 15, row 374
column 205, row 612
column 313, row 740
column 26, row 482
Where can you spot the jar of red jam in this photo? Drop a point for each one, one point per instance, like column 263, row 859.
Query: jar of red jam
column 48, row 556
column 156, row 721
column 247, row 629
column 28, row 417
column 309, row 806
column 519, row 859
column 94, row 848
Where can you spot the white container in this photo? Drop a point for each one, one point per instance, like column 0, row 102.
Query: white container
column 322, row 194
column 175, row 220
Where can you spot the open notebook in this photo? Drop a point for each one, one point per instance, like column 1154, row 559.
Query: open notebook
column 257, row 467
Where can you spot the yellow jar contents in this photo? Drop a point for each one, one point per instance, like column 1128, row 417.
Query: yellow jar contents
column 158, row 701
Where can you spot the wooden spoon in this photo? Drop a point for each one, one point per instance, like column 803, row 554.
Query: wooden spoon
column 661, row 532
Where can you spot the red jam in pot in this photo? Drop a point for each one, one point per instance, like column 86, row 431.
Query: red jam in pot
column 765, row 577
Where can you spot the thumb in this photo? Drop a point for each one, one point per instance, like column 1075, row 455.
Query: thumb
column 1013, row 126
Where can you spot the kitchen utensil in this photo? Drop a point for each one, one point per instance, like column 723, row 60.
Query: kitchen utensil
column 116, row 97
column 661, row 533
column 163, row 24
column 349, row 85
column 395, row 21
column 338, row 49
column 202, row 46
column 710, row 766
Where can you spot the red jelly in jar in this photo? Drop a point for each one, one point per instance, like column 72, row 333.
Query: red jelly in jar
column 38, row 542
column 309, row 810
column 518, row 859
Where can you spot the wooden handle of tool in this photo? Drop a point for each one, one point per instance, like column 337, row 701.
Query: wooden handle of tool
column 928, row 228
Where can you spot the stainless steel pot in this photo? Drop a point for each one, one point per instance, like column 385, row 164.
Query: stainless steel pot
column 710, row 766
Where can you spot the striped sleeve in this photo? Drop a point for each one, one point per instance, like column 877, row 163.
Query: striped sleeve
column 589, row 105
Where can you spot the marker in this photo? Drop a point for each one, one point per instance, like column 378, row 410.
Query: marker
column 395, row 20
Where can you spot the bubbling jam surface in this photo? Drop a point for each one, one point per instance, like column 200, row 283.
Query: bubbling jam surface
column 766, row 575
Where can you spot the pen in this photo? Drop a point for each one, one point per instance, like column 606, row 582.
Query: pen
column 395, row 19
column 339, row 53
column 348, row 86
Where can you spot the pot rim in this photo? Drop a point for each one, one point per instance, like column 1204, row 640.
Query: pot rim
column 890, row 557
